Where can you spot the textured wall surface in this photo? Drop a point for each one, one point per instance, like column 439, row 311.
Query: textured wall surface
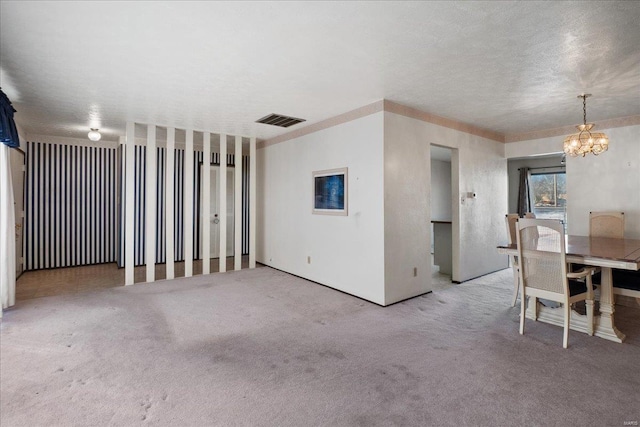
column 608, row 182
column 407, row 223
column 346, row 252
column 372, row 252
column 479, row 166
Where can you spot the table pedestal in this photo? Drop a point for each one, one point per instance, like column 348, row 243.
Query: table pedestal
column 604, row 326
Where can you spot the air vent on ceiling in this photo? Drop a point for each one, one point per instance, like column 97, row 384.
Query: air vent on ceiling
column 280, row 120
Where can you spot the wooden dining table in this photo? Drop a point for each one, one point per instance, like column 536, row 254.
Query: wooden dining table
column 606, row 253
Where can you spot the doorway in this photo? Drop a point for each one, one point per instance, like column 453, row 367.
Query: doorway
column 442, row 216
column 214, row 210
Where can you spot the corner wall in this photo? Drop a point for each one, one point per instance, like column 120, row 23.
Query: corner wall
column 407, row 222
column 372, row 252
column 347, row 252
column 481, row 168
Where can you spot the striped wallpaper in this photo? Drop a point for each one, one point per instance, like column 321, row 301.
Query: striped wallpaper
column 73, row 211
column 70, row 205
column 140, row 203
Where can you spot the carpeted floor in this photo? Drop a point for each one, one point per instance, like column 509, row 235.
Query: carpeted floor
column 261, row 347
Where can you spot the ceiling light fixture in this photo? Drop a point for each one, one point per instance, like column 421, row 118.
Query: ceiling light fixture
column 585, row 141
column 94, row 135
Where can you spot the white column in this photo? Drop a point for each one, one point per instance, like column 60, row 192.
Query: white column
column 252, row 203
column 121, row 212
column 151, row 203
column 222, row 211
column 206, row 203
column 129, row 204
column 188, row 205
column 237, row 206
column 170, row 255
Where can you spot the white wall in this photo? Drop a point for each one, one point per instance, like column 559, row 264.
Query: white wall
column 347, row 252
column 440, row 190
column 534, row 147
column 407, row 225
column 481, row 168
column 608, row 182
column 372, row 252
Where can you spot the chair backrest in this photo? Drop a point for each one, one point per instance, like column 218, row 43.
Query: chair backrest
column 542, row 255
column 606, row 224
column 529, row 215
column 511, row 220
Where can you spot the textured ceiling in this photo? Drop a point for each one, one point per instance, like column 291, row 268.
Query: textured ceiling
column 506, row 66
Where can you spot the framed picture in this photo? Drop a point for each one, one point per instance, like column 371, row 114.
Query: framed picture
column 330, row 192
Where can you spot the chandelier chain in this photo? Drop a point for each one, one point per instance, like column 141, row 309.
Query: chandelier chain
column 584, row 109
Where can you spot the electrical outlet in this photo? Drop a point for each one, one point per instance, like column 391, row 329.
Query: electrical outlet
column 308, row 260
column 415, row 271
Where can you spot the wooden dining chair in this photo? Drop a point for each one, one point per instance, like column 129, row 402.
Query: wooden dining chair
column 603, row 224
column 511, row 220
column 543, row 271
column 611, row 224
column 606, row 224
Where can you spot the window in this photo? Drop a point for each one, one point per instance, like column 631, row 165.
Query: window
column 549, row 195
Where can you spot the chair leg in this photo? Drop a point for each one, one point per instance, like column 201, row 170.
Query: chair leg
column 516, row 287
column 567, row 317
column 523, row 303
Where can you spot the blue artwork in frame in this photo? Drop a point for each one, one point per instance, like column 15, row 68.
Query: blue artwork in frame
column 330, row 192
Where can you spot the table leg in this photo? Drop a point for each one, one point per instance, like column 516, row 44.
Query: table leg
column 606, row 327
column 532, row 307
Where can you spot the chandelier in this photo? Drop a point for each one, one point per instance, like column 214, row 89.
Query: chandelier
column 585, row 141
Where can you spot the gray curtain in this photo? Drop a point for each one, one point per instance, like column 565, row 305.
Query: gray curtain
column 524, row 204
